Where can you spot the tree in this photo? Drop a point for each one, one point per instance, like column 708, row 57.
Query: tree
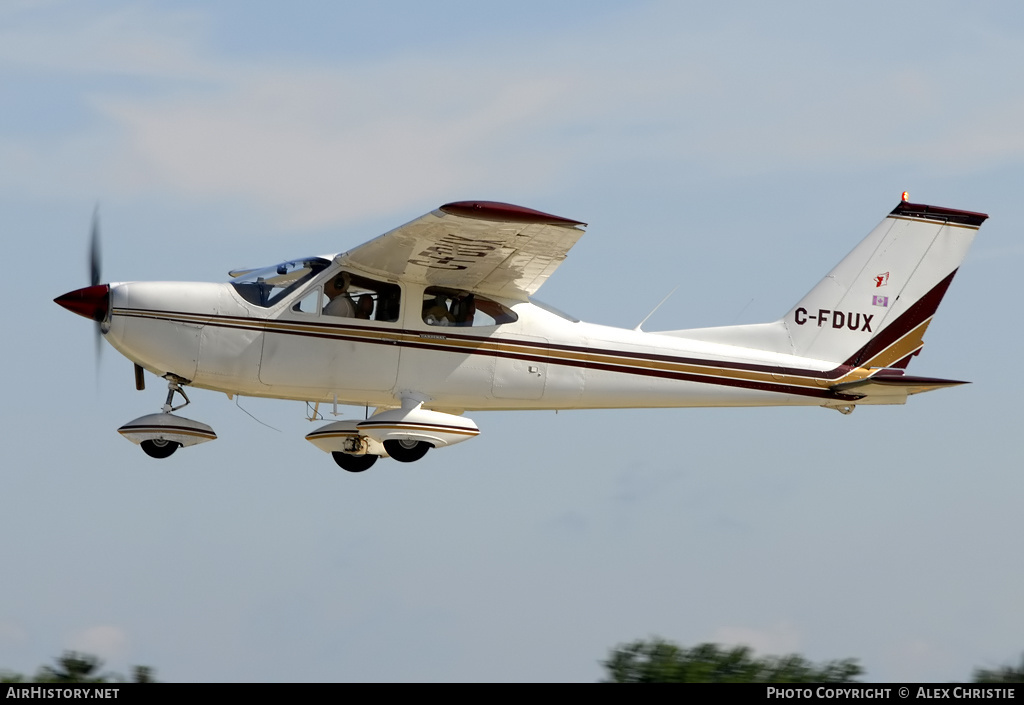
column 1004, row 674
column 73, row 667
column 660, row 661
column 76, row 667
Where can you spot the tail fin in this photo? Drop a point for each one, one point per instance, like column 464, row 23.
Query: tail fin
column 873, row 308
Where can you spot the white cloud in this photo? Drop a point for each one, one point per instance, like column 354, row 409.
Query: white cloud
column 108, row 642
column 310, row 142
column 326, row 146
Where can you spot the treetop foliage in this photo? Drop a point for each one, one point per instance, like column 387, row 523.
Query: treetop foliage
column 76, row 667
column 660, row 661
column 1004, row 674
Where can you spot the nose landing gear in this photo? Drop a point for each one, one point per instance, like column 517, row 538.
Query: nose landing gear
column 159, row 447
column 160, row 435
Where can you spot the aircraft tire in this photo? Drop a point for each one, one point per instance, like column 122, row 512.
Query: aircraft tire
column 354, row 463
column 407, row 451
column 159, row 448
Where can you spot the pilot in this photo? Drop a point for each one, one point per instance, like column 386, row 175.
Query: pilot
column 435, row 311
column 340, row 303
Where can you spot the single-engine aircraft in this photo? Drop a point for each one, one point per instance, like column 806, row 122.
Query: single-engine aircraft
column 436, row 318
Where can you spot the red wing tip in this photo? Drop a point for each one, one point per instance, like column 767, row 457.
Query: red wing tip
column 952, row 215
column 504, row 213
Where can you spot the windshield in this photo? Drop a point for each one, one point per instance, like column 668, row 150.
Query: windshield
column 265, row 287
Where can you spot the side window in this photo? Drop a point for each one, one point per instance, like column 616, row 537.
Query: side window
column 451, row 307
column 311, row 302
column 352, row 296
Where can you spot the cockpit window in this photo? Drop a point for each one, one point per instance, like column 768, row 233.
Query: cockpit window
column 354, row 296
column 451, row 307
column 265, row 287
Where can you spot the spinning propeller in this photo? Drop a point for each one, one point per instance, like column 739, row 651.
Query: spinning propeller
column 95, row 272
column 92, row 301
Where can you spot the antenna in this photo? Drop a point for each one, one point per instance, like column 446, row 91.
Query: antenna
column 655, row 308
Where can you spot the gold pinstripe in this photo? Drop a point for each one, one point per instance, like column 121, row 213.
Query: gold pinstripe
column 911, row 341
column 896, row 351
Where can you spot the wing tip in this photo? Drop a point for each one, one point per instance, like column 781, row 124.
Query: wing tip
column 505, row 213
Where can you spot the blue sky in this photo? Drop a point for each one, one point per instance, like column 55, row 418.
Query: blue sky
column 737, row 152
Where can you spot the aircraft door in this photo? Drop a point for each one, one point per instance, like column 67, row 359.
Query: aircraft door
column 340, row 335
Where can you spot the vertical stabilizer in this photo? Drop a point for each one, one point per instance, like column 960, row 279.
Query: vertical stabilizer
column 873, row 308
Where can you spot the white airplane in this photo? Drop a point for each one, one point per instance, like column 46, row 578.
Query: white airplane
column 436, row 318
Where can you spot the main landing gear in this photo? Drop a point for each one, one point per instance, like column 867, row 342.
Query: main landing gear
column 353, row 463
column 404, row 451
column 405, row 434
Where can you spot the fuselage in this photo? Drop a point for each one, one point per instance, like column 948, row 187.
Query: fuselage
column 214, row 337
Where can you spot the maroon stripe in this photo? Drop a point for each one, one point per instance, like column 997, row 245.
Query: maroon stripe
column 504, row 213
column 923, row 309
column 423, row 344
column 241, row 322
column 907, row 321
column 950, row 215
column 170, row 429
column 441, row 427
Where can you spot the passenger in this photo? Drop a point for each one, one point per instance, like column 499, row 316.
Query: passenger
column 435, row 311
column 340, row 303
column 364, row 307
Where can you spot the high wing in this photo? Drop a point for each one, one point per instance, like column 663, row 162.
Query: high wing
column 481, row 246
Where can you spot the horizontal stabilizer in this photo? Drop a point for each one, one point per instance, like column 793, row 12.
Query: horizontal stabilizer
column 890, row 384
